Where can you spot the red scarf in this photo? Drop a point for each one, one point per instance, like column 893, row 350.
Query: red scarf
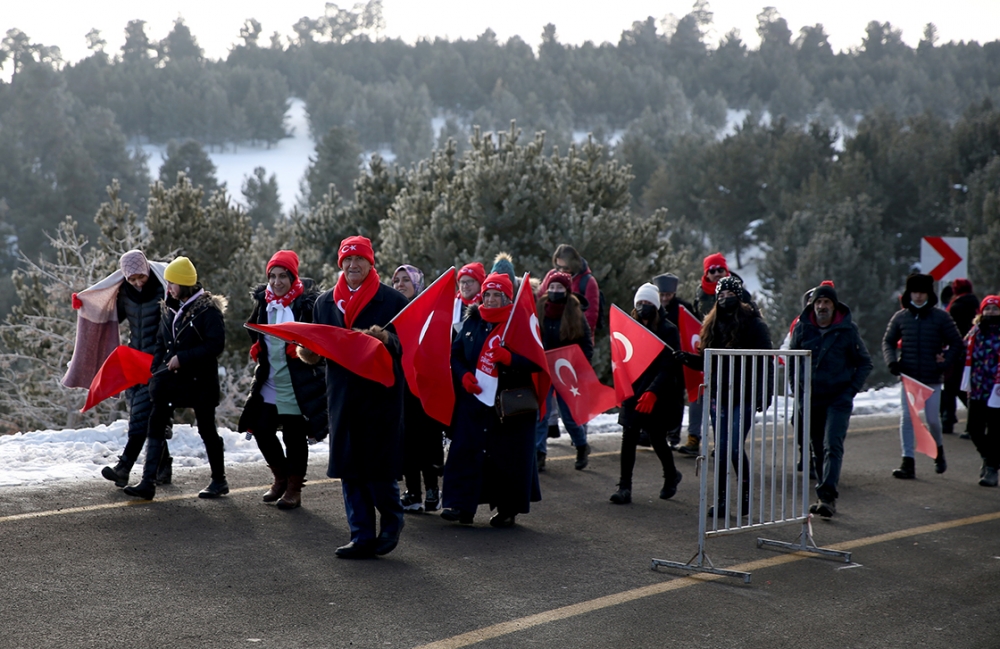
column 289, row 297
column 474, row 300
column 499, row 317
column 351, row 303
column 709, row 287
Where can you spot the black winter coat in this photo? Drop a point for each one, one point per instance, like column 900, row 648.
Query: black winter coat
column 963, row 310
column 551, row 339
column 664, row 377
column 753, row 335
column 925, row 333
column 141, row 309
column 672, row 311
column 840, row 360
column 365, row 417
column 308, row 381
column 197, row 340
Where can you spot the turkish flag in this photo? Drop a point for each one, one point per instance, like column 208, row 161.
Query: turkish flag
column 633, row 349
column 355, row 351
column 523, row 336
column 424, row 330
column 690, row 330
column 122, row 369
column 916, row 395
column 583, row 393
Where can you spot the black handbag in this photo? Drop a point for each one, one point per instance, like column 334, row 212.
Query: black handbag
column 514, row 402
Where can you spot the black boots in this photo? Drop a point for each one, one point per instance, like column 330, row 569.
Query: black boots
column 147, row 486
column 581, row 457
column 119, row 473
column 623, row 496
column 940, row 466
column 670, row 486
column 218, row 487
column 215, row 448
column 165, row 472
column 906, row 470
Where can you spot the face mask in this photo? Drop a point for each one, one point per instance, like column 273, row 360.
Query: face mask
column 919, row 306
column 728, row 305
column 646, row 312
column 989, row 320
column 558, row 298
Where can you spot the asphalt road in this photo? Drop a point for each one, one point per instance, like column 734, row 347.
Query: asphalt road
column 84, row 566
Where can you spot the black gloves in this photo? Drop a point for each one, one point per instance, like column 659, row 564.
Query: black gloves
column 894, row 368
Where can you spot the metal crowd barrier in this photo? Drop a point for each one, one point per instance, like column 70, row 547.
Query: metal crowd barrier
column 758, row 485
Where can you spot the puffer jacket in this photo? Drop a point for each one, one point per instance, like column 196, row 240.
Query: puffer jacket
column 925, row 333
column 840, row 360
column 308, row 381
column 141, row 309
column 197, row 339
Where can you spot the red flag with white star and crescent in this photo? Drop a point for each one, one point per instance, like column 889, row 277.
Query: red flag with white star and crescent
column 575, row 381
column 523, row 336
column 633, row 349
column 690, row 330
column 424, row 330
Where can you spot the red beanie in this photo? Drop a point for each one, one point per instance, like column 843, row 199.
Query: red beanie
column 716, row 259
column 559, row 278
column 474, row 270
column 989, row 300
column 499, row 282
column 356, row 245
column 961, row 286
column 287, row 259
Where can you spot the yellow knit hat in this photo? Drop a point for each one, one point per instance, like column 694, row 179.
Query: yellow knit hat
column 181, row 272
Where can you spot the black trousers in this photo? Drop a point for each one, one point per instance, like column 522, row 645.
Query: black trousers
column 295, row 429
column 984, row 429
column 658, row 438
column 423, row 448
column 204, row 416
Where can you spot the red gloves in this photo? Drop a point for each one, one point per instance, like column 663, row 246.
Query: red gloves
column 255, row 351
column 470, row 383
column 501, row 356
column 646, row 403
column 77, row 303
column 290, row 350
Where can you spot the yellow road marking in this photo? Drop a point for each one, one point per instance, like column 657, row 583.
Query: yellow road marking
column 573, row 610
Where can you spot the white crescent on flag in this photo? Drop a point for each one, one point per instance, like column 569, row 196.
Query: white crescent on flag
column 620, row 337
column 535, row 329
column 561, row 363
column 423, row 331
column 695, row 341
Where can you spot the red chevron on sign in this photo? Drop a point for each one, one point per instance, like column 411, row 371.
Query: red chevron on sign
column 950, row 258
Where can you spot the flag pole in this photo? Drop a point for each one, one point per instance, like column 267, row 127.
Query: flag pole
column 525, row 281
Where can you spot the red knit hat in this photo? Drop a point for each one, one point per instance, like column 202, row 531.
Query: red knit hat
column 559, row 278
column 715, row 259
column 499, row 282
column 474, row 270
column 356, row 245
column 287, row 259
column 989, row 300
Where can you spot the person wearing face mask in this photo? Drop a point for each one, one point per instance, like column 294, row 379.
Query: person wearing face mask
column 652, row 408
column 715, row 269
column 563, row 324
column 982, row 364
column 963, row 307
column 921, row 342
column 840, row 365
column 286, row 393
column 670, row 306
column 733, row 323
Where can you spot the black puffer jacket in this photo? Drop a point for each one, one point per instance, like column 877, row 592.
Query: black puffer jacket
column 925, row 333
column 840, row 360
column 197, row 341
column 308, row 381
column 753, row 334
column 141, row 309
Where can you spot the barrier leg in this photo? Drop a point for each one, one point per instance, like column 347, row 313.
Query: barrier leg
column 805, row 543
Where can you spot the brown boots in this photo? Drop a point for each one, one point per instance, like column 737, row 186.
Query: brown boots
column 293, row 493
column 278, row 488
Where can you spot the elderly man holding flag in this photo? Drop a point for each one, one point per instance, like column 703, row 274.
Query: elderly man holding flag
column 366, row 434
column 492, row 455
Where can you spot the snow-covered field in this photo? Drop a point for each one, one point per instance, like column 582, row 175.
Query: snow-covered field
column 47, row 456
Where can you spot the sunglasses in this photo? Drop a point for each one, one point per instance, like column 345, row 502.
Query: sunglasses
column 716, row 269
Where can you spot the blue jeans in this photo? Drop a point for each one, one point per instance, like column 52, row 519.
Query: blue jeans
column 741, row 424
column 576, row 433
column 932, row 409
column 361, row 500
column 694, row 416
column 828, row 429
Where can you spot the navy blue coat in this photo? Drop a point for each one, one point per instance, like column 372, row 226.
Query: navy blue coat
column 365, row 417
column 840, row 360
column 308, row 381
column 489, row 461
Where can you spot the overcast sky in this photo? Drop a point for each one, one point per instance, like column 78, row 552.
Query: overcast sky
column 216, row 23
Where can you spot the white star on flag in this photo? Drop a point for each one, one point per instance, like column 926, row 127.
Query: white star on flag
column 575, row 391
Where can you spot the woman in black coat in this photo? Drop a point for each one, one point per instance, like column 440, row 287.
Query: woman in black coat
column 286, row 392
column 138, row 303
column 490, row 460
column 185, row 370
column 652, row 407
column 733, row 323
column 563, row 323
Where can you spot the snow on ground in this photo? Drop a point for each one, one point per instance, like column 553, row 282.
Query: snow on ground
column 58, row 455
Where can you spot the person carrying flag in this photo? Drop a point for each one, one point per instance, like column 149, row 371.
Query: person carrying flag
column 185, row 367
column 840, row 365
column 653, row 405
column 670, row 306
column 365, row 417
column 286, row 393
column 920, row 342
column 491, row 459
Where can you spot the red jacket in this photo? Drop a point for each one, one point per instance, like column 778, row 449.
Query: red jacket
column 591, row 291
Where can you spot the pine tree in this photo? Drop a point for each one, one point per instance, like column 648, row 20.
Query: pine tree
column 190, row 158
column 261, row 195
column 336, row 162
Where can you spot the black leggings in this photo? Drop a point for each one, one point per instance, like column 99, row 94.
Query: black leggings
column 295, row 429
column 658, row 438
column 984, row 429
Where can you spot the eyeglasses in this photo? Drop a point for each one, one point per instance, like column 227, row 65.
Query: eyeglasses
column 562, row 269
column 716, row 269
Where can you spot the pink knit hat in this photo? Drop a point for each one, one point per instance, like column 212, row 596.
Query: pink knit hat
column 134, row 262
